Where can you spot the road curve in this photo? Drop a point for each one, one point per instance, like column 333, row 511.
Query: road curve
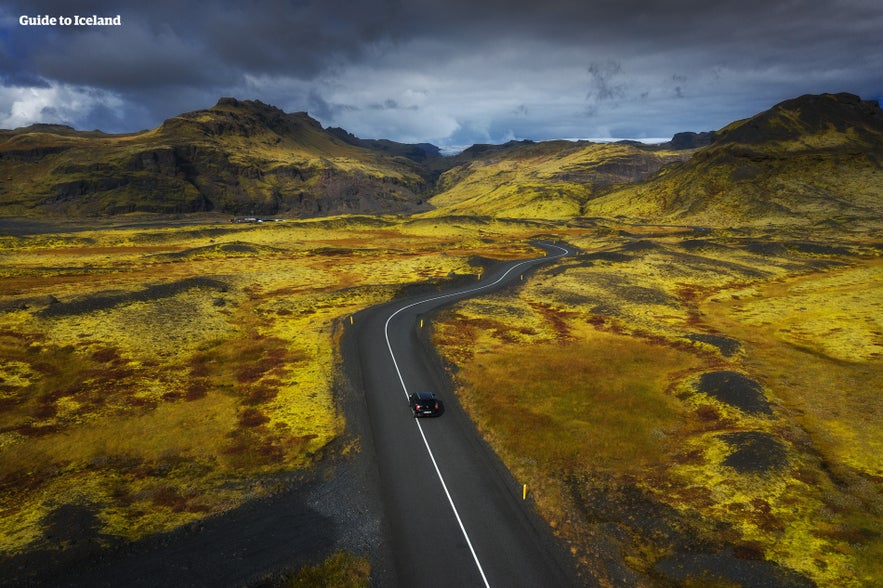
column 454, row 514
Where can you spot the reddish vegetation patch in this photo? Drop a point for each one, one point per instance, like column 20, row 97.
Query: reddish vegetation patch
column 170, row 497
column 707, row 414
column 45, row 410
column 199, row 366
column 196, row 389
column 249, row 373
column 106, row 355
column 263, row 392
column 252, row 417
column 37, row 430
column 596, row 320
column 693, row 292
column 556, row 318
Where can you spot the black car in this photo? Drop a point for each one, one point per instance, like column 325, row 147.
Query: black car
column 424, row 404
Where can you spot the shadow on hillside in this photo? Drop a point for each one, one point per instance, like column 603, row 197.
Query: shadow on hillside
column 265, row 536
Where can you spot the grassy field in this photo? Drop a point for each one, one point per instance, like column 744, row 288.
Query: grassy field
column 677, row 398
column 155, row 376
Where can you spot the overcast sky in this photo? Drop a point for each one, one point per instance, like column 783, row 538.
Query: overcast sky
column 450, row 72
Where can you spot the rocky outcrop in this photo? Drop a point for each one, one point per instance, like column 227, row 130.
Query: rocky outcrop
column 418, row 152
column 688, row 140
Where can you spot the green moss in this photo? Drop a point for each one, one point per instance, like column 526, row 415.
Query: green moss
column 341, row 570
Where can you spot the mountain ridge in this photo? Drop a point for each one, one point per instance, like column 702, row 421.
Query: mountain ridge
column 794, row 119
column 248, row 157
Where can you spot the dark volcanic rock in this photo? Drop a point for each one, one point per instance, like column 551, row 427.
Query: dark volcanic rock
column 98, row 302
column 728, row 347
column 688, row 140
column 755, row 452
column 736, row 390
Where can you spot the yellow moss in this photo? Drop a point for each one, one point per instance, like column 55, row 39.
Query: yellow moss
column 20, row 527
column 14, row 374
column 597, row 403
column 548, row 180
column 838, row 315
column 773, row 511
column 173, row 325
column 855, row 441
column 123, row 523
column 816, row 338
column 149, row 436
column 342, row 570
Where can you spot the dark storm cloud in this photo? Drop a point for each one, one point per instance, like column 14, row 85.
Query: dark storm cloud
column 178, row 43
column 603, row 81
column 442, row 69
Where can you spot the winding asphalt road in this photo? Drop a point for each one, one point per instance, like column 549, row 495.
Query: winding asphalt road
column 455, row 515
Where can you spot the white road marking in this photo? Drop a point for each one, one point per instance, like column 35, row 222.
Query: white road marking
column 405, row 388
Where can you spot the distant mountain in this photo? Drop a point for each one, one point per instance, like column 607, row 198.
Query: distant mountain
column 415, row 151
column 689, row 140
column 238, row 157
column 812, row 158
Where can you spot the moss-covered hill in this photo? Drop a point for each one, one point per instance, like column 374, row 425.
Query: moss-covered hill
column 804, row 161
column 236, row 157
column 551, row 180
